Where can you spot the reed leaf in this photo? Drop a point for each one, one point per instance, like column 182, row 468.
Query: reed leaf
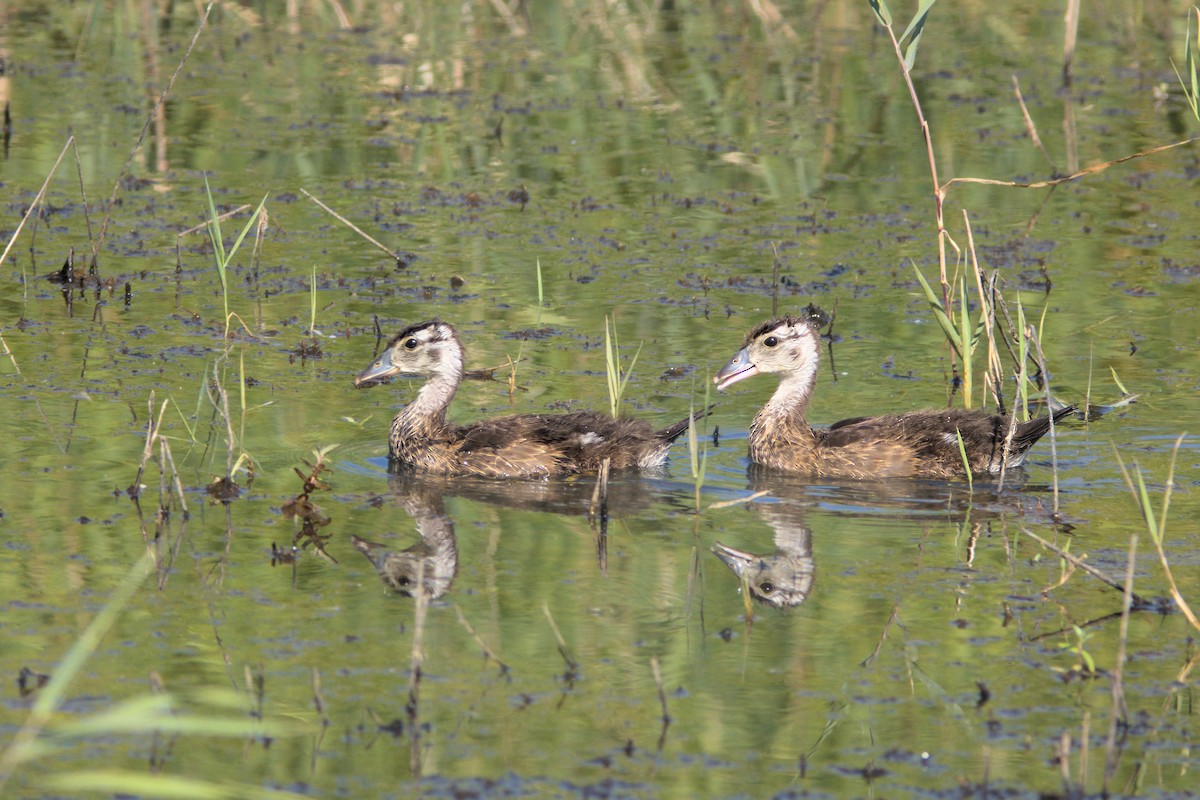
column 617, row 379
column 913, row 33
column 939, row 313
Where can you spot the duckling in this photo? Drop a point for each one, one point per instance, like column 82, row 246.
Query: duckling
column 516, row 446
column 916, row 444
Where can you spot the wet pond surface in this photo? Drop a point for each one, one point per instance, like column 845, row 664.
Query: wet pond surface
column 654, row 168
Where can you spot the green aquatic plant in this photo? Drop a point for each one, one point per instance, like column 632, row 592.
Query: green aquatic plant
column 221, row 256
column 618, row 378
column 1156, row 522
column 697, row 452
column 1190, row 80
column 1085, row 663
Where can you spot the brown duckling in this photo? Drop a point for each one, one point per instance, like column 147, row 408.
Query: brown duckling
column 516, row 446
column 916, row 444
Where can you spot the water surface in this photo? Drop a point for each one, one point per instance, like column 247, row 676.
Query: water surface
column 653, row 166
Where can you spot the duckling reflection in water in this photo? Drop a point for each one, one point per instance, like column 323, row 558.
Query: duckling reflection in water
column 785, row 577
column 437, row 550
column 516, row 446
column 914, row 444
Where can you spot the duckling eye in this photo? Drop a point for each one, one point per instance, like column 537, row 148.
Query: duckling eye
column 766, row 587
column 410, row 344
column 770, row 341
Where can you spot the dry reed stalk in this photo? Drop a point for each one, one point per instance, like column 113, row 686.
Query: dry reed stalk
column 1071, row 29
column 37, row 200
column 994, row 375
column 351, row 225
column 1076, row 175
column 1079, row 563
column 738, row 501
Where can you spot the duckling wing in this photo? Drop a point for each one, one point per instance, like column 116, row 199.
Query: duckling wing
column 550, row 443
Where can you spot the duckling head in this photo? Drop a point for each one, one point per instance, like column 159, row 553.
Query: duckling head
column 787, row 345
column 427, row 350
column 780, row 579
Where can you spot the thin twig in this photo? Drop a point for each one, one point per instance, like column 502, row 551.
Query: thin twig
column 37, row 200
column 1073, row 176
column 351, row 225
column 1081, row 564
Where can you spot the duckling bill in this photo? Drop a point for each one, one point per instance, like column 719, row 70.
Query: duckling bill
column 913, row 444
column 516, row 446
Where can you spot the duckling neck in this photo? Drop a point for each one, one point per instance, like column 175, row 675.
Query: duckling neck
column 780, row 427
column 425, row 417
column 789, row 403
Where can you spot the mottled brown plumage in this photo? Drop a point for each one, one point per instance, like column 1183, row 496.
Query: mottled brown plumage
column 918, row 443
column 517, row 446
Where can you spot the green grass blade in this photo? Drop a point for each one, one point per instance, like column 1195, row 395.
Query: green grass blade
column 1117, row 381
column 913, row 33
column 1166, row 501
column 214, row 230
column 882, row 13
column 962, row 451
column 51, row 696
column 1022, row 366
column 250, row 223
column 948, row 327
column 614, row 388
column 1143, row 498
column 964, row 336
column 312, row 308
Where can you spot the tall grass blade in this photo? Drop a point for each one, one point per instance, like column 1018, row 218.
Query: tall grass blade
column 962, row 451
column 1191, row 86
column 541, row 296
column 939, row 312
column 617, row 379
column 52, row 695
column 312, row 303
column 968, row 343
column 1022, row 413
